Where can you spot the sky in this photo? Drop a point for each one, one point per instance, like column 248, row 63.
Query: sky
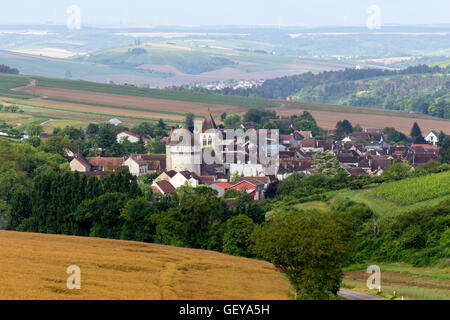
column 226, row 12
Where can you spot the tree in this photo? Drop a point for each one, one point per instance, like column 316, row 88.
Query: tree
column 244, row 205
column 416, row 134
column 223, row 116
column 92, row 129
column 138, row 225
column 157, row 146
column 324, row 163
column 441, row 138
column 343, row 128
column 444, row 151
column 397, row 171
column 189, row 121
column 161, row 124
column 232, row 121
column 259, row 116
column 236, row 240
column 34, row 130
column 106, row 136
column 310, row 247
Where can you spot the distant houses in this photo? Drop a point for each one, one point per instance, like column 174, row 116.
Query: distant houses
column 432, row 137
column 360, row 153
column 115, row 122
column 132, row 136
column 137, row 164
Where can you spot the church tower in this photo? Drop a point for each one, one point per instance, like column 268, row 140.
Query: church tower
column 183, row 152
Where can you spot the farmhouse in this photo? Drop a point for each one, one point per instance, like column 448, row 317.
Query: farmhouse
column 114, row 121
column 139, row 164
column 131, row 136
column 82, row 164
column 432, row 137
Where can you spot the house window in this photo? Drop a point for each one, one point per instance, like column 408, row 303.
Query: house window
column 204, row 140
column 209, row 141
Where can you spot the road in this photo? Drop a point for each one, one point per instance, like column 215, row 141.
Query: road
column 355, row 295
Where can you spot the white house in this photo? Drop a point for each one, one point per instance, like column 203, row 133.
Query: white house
column 115, row 122
column 432, row 137
column 131, row 136
column 182, row 177
column 137, row 166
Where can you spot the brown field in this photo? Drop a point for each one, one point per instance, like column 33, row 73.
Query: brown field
column 33, row 266
column 328, row 119
column 130, row 101
column 106, row 110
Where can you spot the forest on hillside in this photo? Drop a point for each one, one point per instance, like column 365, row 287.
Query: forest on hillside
column 420, row 89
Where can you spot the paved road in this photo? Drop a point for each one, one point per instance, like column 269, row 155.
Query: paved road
column 355, row 295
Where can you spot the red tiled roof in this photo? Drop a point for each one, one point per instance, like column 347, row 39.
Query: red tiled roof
column 223, row 185
column 257, row 181
column 285, row 137
column 165, row 186
column 106, row 162
column 244, row 185
column 83, row 161
column 425, row 146
column 309, row 143
column 305, row 134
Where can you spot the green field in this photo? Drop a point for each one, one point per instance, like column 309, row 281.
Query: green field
column 408, row 282
column 8, row 82
column 414, row 190
column 442, row 64
column 156, row 93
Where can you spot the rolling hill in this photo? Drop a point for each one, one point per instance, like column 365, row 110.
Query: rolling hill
column 34, row 267
column 85, row 99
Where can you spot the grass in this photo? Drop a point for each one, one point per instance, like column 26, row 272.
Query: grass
column 118, row 107
column 383, row 207
column 34, row 267
column 156, row 93
column 313, row 205
column 121, row 115
column 414, row 190
column 405, row 280
column 8, row 82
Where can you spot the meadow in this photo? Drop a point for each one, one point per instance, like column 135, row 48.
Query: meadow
column 413, row 190
column 8, row 82
column 34, row 267
column 408, row 282
column 156, row 93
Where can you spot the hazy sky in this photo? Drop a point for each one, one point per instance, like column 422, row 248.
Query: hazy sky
column 226, row 12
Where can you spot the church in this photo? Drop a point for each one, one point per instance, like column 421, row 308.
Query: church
column 210, row 150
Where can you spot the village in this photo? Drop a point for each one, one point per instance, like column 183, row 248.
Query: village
column 360, row 153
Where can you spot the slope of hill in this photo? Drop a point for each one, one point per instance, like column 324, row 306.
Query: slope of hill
column 421, row 89
column 125, row 101
column 33, row 266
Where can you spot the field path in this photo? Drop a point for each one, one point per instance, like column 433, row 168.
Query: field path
column 355, row 295
column 166, row 281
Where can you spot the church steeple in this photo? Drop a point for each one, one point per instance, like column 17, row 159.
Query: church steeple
column 209, row 122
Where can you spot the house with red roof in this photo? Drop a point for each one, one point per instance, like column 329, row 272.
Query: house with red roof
column 221, row 187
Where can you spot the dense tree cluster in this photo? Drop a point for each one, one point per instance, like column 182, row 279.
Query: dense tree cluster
column 7, row 69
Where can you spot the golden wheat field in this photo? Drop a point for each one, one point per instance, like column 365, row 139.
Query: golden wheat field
column 33, row 266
